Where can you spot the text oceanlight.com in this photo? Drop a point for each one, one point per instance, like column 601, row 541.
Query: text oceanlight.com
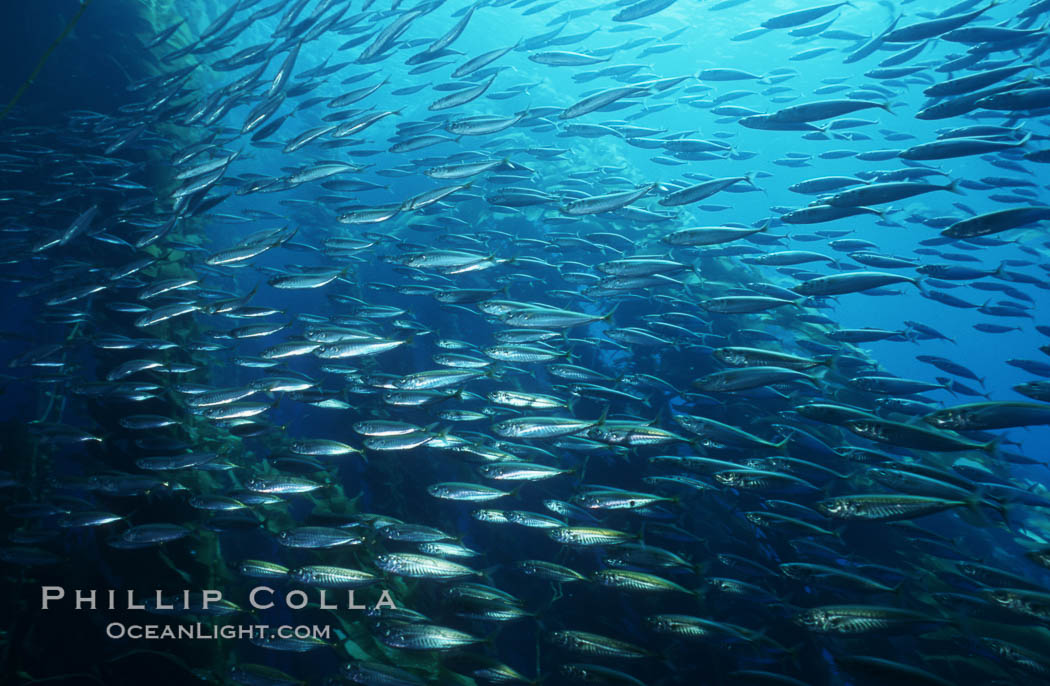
column 259, row 632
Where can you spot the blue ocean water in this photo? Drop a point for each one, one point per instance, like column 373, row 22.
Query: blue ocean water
column 188, row 149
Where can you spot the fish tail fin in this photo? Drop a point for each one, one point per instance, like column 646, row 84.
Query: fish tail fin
column 695, row 268
column 793, row 652
column 999, row 508
column 486, row 573
column 974, row 504
column 953, row 186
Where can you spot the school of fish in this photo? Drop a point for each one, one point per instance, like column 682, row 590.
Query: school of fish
column 315, row 309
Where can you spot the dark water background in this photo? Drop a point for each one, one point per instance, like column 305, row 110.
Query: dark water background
column 91, row 71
